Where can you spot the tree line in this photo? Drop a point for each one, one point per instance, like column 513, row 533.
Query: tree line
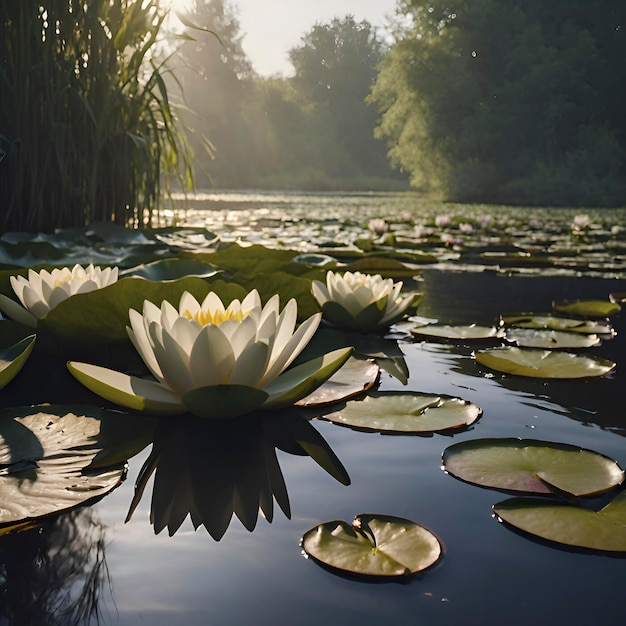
column 501, row 101
column 310, row 131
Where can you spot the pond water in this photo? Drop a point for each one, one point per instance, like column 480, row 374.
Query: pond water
column 489, row 574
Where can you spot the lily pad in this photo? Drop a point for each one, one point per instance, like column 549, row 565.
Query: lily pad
column 553, row 322
column 550, row 339
column 373, row 545
column 406, row 412
column 354, row 377
column 532, row 466
column 12, row 359
column 56, row 458
column 587, row 308
column 467, row 332
column 568, row 524
column 171, row 269
column 543, row 363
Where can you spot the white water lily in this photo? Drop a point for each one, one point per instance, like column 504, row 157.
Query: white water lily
column 360, row 302
column 42, row 291
column 215, row 361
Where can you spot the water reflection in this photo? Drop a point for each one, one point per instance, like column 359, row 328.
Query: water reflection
column 212, row 470
column 56, row 573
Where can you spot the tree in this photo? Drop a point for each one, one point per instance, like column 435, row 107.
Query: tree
column 217, row 84
column 508, row 100
column 335, row 67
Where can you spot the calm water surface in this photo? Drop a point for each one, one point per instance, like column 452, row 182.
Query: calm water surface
column 489, row 574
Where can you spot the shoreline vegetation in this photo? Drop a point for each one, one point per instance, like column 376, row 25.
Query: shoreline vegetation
column 104, row 114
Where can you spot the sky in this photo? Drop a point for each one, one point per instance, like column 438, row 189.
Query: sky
column 271, row 27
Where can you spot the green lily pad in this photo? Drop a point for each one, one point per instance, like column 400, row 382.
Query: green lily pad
column 353, row 378
column 406, row 412
column 468, row 332
column 55, row 458
column 373, row 545
column 316, row 260
column 543, row 363
column 587, row 308
column 388, row 268
column 534, row 320
column 550, row 339
column 568, row 524
column 532, row 466
column 171, row 269
column 12, row 359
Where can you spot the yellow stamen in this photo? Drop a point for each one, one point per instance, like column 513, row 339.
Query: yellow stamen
column 205, row 318
column 67, row 279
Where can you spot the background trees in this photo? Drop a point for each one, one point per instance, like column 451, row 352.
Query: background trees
column 313, row 130
column 508, row 100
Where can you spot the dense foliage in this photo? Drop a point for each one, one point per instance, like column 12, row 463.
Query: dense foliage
column 85, row 120
column 511, row 101
column 309, row 131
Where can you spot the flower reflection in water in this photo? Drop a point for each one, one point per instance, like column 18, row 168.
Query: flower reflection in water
column 210, row 470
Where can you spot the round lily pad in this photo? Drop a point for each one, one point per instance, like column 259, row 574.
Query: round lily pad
column 550, row 339
column 373, row 545
column 54, row 459
column 587, row 308
column 406, row 412
column 543, row 363
column 568, row 524
column 532, row 466
column 533, row 320
column 354, row 377
column 445, row 331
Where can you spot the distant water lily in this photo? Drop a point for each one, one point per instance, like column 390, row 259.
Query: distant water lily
column 44, row 290
column 442, row 220
column 361, row 302
column 466, row 228
column 379, row 226
column 215, row 361
column 581, row 221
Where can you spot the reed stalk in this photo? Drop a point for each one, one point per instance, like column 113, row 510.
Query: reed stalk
column 86, row 123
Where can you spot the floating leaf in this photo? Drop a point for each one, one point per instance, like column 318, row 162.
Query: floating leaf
column 468, row 332
column 389, row 268
column 316, row 260
column 12, row 359
column 171, row 269
column 53, row 459
column 567, row 524
column 406, row 412
column 543, row 363
column 533, row 320
column 532, row 466
column 587, row 308
column 354, row 377
column 550, row 339
column 374, row 545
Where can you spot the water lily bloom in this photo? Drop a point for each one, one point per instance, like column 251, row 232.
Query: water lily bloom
column 44, row 290
column 379, row 226
column 215, row 361
column 361, row 302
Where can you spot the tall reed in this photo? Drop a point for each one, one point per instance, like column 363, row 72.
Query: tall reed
column 86, row 123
